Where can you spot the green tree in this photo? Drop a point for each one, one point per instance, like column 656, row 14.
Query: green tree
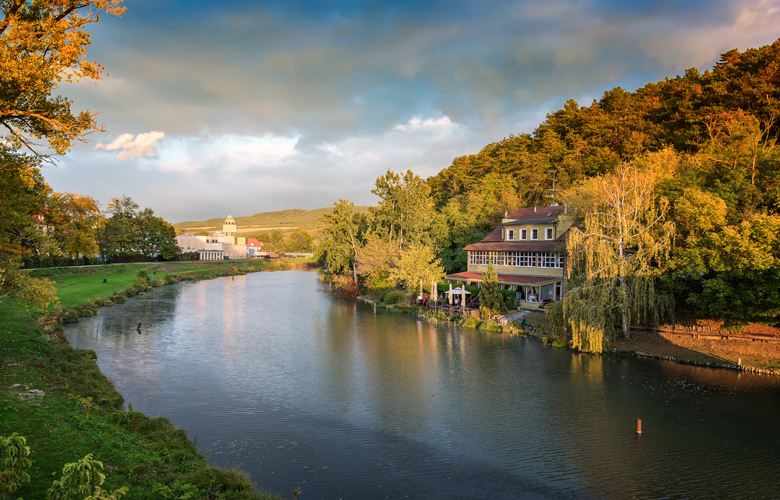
column 274, row 242
column 341, row 238
column 417, row 262
column 490, row 299
column 405, row 207
column 155, row 237
column 131, row 231
column 613, row 260
column 73, row 219
column 299, row 241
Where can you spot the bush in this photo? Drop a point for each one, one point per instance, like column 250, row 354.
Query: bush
column 120, row 298
column 393, row 297
column 158, row 282
column 13, row 463
column 142, row 274
column 509, row 299
column 70, row 317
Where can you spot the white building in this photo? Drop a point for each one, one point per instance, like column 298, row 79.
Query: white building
column 219, row 245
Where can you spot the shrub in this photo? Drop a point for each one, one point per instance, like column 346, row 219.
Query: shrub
column 13, row 463
column 70, row 317
column 81, row 479
column 120, row 299
column 158, row 282
column 86, row 310
column 472, row 323
column 509, row 299
column 142, row 284
column 142, row 274
column 393, row 297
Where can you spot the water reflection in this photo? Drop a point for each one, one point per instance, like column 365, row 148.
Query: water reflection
column 301, row 389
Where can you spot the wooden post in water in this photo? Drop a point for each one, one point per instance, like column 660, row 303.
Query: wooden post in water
column 374, row 307
column 639, row 426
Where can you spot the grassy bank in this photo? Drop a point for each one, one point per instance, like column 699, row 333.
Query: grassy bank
column 59, row 400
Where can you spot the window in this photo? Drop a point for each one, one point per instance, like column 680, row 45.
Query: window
column 510, row 235
column 534, row 234
column 548, row 233
column 524, row 234
column 477, row 258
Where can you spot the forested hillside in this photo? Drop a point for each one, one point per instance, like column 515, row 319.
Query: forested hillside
column 711, row 142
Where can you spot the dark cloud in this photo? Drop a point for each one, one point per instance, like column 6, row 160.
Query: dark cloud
column 338, row 76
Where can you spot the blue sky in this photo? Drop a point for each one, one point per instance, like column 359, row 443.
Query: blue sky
column 249, row 106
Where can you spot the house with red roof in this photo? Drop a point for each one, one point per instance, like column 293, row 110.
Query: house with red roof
column 528, row 252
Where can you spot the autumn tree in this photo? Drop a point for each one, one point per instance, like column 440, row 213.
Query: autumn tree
column 376, row 259
column 613, row 260
column 43, row 44
column 414, row 263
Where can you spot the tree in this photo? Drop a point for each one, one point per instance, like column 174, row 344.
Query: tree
column 405, row 206
column 131, row 232
column 490, row 299
column 155, row 237
column 42, row 45
column 299, row 241
column 414, row 263
column 376, row 259
column 613, row 260
column 73, row 219
column 341, row 238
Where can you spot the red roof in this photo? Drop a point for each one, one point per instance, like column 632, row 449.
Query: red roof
column 505, row 278
column 537, row 213
column 252, row 242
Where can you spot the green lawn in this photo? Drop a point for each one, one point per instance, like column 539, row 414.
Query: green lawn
column 80, row 412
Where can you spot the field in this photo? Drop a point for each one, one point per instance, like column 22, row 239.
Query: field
column 285, row 220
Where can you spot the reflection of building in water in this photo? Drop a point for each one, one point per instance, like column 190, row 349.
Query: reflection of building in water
column 527, row 251
column 220, row 245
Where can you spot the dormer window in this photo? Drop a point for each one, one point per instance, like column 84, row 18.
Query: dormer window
column 534, row 234
column 510, row 234
column 548, row 233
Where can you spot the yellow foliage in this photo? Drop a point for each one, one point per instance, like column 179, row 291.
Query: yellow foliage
column 43, row 44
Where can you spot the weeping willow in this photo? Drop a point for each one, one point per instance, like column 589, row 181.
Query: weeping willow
column 613, row 261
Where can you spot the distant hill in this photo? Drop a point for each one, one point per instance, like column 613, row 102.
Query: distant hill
column 286, row 220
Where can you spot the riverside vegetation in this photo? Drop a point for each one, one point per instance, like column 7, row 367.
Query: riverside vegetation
column 69, row 412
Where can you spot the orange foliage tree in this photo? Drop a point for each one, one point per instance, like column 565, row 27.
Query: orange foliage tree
column 44, row 44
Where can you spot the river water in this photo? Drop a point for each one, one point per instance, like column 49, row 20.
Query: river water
column 272, row 373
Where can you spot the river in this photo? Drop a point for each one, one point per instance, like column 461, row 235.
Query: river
column 273, row 374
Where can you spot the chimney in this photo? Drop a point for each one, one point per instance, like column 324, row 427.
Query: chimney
column 534, row 209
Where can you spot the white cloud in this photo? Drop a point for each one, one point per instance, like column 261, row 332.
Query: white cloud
column 133, row 147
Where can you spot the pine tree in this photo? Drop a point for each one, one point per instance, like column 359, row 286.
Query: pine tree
column 490, row 299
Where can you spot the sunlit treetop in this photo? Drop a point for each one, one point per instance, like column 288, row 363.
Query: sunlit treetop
column 43, row 43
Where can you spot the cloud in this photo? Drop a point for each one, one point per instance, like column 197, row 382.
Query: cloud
column 134, row 147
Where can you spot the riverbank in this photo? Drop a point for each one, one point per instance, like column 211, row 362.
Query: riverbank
column 59, row 400
column 755, row 349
